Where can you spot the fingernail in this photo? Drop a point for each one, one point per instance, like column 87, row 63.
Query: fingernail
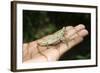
column 79, row 27
column 83, row 33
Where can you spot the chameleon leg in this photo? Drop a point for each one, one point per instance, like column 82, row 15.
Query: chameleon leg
column 47, row 46
column 64, row 39
column 41, row 52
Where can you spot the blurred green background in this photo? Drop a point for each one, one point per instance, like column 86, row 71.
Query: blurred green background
column 37, row 24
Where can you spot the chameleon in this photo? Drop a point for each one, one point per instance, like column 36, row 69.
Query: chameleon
column 54, row 38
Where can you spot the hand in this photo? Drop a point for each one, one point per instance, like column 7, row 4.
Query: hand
column 32, row 52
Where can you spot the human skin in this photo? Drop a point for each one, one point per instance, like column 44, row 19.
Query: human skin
column 31, row 50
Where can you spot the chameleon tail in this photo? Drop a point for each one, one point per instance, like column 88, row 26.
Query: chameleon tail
column 41, row 52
